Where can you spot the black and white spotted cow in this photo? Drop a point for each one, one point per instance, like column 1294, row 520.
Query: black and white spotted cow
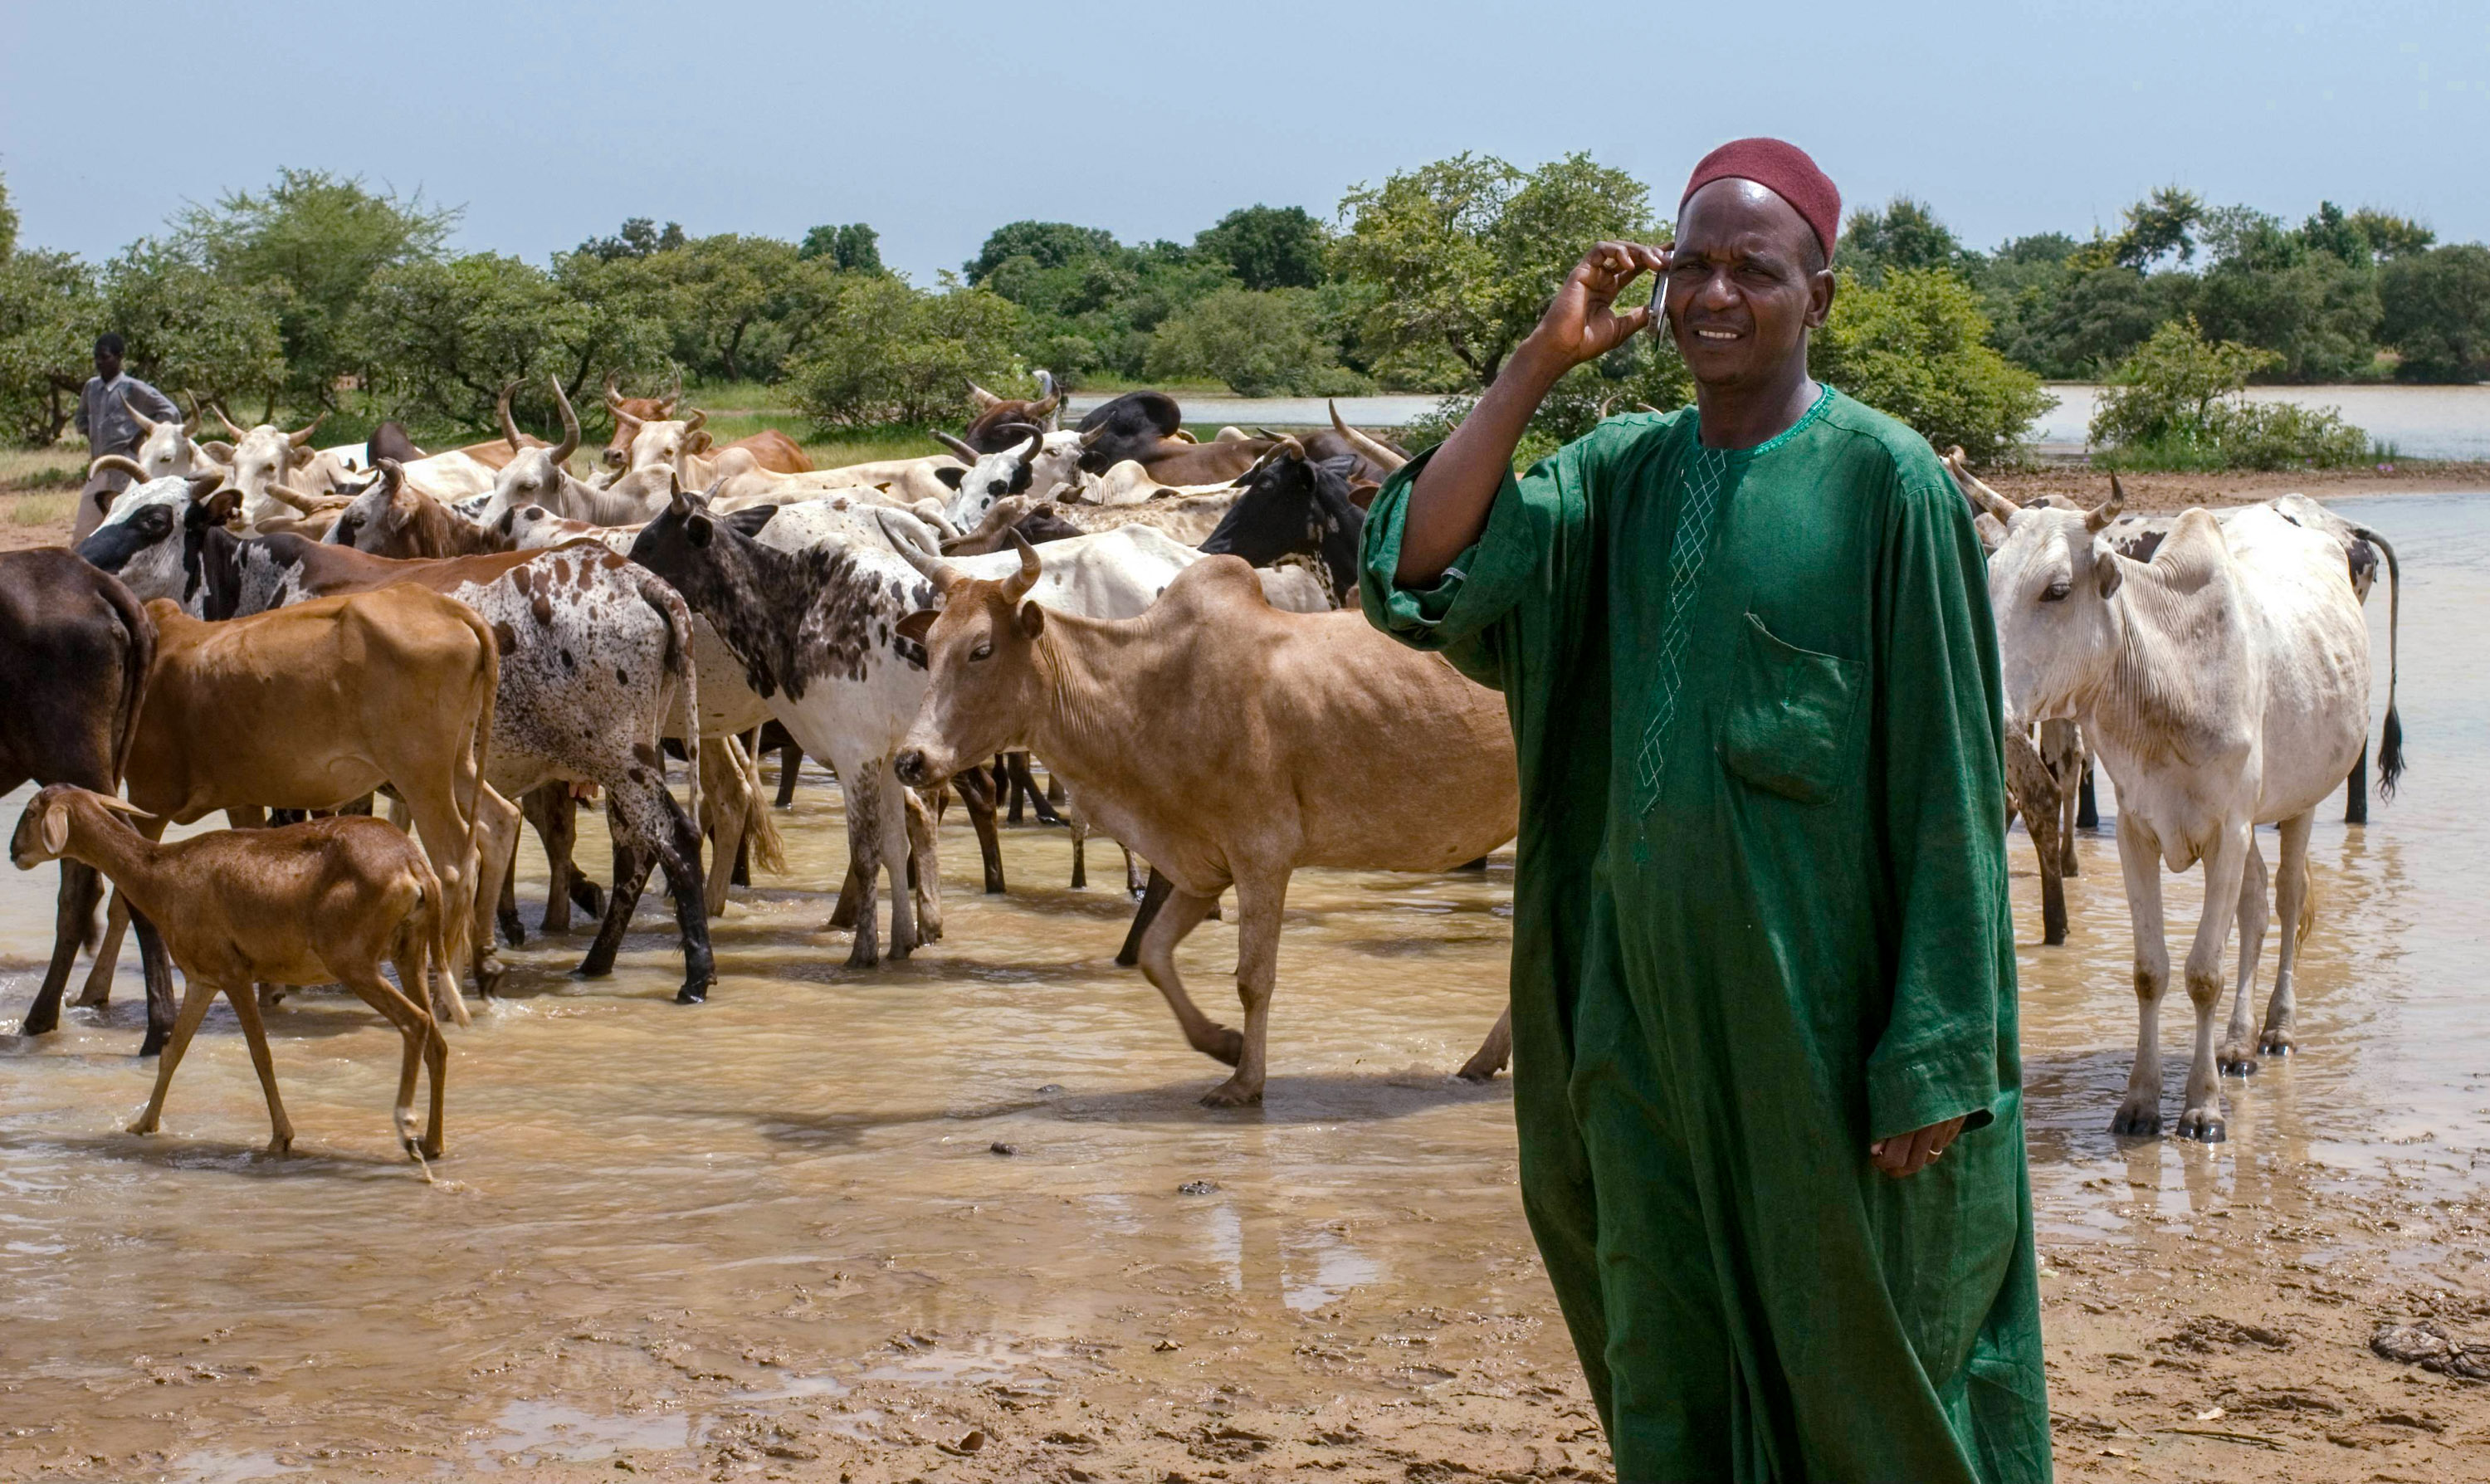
column 596, row 653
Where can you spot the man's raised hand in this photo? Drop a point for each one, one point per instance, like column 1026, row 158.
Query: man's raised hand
column 1582, row 323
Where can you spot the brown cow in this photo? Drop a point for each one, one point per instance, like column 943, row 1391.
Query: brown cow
column 633, row 415
column 1229, row 743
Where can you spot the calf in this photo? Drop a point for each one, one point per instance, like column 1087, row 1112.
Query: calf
column 74, row 651
column 319, row 903
column 1228, row 743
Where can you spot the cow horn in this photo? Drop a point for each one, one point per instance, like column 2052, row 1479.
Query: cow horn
column 2101, row 514
column 303, row 436
column 145, row 423
column 959, row 447
column 1043, row 409
column 393, row 477
column 118, row 806
column 1036, row 443
column 986, row 400
column 666, row 403
column 1374, row 450
column 692, row 424
column 613, row 392
column 1981, row 495
column 1090, row 436
column 204, row 485
column 1016, row 587
column 946, row 577
column 119, row 463
column 238, row 433
column 569, row 424
column 502, row 405
column 299, row 500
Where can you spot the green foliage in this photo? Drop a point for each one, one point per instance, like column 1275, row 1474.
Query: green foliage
column 852, row 248
column 314, row 241
column 449, row 335
column 46, row 337
column 638, row 239
column 1045, row 244
column 890, row 352
column 2158, row 228
column 1267, row 247
column 1905, row 234
column 1644, row 373
column 1267, row 342
column 190, row 329
column 1916, row 348
column 2179, row 402
column 1461, row 256
column 2436, row 312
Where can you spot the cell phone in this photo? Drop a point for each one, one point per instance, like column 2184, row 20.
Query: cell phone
column 1658, row 328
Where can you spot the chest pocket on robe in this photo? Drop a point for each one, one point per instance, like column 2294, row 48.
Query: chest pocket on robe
column 1793, row 719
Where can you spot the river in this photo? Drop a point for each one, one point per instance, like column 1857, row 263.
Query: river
column 664, row 1237
column 2449, row 423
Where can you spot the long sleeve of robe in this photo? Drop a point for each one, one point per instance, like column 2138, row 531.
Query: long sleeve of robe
column 1761, row 921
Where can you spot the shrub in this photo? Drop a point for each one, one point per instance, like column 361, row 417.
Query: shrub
column 1915, row 347
column 2437, row 313
column 2180, row 402
column 1260, row 343
column 887, row 352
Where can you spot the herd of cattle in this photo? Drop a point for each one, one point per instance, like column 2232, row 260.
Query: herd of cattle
column 255, row 625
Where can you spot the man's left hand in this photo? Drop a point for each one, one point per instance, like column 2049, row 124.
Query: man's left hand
column 1909, row 1153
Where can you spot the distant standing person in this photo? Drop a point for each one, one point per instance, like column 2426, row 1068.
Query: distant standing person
column 104, row 416
column 1766, row 1082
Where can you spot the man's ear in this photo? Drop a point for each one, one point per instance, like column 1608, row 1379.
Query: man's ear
column 56, row 827
column 1032, row 619
column 1820, row 291
column 2105, row 569
column 918, row 623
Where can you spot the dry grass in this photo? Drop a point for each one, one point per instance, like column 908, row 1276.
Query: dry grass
column 62, row 466
column 40, row 510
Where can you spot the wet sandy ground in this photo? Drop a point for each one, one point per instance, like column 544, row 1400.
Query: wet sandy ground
column 775, row 1235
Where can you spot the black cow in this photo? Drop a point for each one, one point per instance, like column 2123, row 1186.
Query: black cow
column 1295, row 504
column 74, row 651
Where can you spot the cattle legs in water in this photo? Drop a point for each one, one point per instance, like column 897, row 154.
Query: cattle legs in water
column 2356, row 789
column 73, row 926
column 2225, row 865
column 2292, row 902
column 639, row 809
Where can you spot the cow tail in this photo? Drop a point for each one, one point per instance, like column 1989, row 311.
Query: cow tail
column 677, row 617
column 2390, row 743
column 136, row 663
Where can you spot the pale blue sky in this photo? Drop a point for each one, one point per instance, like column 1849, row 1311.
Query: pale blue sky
column 934, row 123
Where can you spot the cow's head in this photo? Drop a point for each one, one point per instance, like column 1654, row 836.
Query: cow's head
column 1128, row 427
column 630, row 414
column 378, row 511
column 150, row 537
column 996, row 425
column 264, row 457
column 2053, row 585
column 980, row 656
column 1294, row 504
column 1033, row 465
column 535, row 475
column 166, row 452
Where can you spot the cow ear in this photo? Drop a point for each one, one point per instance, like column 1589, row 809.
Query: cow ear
column 56, row 827
column 951, row 476
column 1032, row 619
column 919, row 623
column 218, row 449
column 699, row 443
column 303, row 456
column 2106, row 570
column 751, row 518
column 698, row 529
column 223, row 506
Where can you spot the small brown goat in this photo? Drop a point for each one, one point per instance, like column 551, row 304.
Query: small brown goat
column 305, row 904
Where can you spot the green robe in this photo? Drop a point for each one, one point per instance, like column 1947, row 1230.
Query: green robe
column 1759, row 920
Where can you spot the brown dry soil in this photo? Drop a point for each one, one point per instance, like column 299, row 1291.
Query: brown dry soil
column 2177, row 491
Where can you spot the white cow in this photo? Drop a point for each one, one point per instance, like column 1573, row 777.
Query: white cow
column 264, row 461
column 2222, row 685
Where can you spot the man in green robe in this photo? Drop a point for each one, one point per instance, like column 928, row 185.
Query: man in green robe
column 1765, row 1070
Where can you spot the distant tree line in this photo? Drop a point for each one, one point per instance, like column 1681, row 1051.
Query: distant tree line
column 319, row 292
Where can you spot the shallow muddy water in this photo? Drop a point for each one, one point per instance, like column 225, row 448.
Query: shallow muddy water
column 658, row 1228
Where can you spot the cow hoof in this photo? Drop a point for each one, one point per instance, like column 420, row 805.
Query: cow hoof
column 281, row 1145
column 864, row 956
column 155, row 1041
column 513, row 931
column 2277, row 1043
column 587, row 896
column 2137, row 1121
column 1231, row 1093
column 2202, row 1125
column 1480, row 1069
column 692, row 994
column 2237, row 1061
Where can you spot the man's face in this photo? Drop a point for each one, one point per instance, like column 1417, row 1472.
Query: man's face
column 1741, row 292
column 108, row 364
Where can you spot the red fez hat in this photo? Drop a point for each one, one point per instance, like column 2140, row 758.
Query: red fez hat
column 1784, row 170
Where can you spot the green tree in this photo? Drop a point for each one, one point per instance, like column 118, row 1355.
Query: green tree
column 1915, row 347
column 1905, row 234
column 47, row 325
column 1046, row 244
column 1260, row 342
column 1092, row 303
column 317, row 239
column 2179, row 402
column 891, row 353
column 447, row 335
column 1459, row 256
column 2436, row 312
column 2158, row 227
column 1267, row 247
column 724, row 288
column 190, row 329
column 854, row 248
column 639, row 238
